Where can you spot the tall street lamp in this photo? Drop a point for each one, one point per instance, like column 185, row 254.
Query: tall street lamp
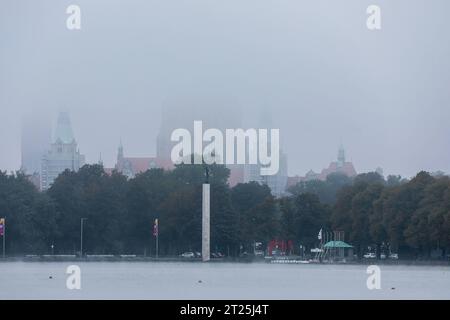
column 81, row 237
column 206, row 215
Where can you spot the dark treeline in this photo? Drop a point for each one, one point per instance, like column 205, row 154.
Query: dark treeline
column 408, row 217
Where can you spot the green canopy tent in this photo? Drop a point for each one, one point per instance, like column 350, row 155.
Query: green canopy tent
column 338, row 250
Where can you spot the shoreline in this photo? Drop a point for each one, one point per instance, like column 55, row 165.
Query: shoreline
column 284, row 260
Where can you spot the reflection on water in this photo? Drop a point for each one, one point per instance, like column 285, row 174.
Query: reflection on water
column 137, row 280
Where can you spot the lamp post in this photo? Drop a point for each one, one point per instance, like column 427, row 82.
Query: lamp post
column 81, row 237
column 52, row 246
column 206, row 215
column 3, row 234
column 156, row 235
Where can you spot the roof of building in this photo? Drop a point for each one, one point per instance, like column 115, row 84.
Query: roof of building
column 142, row 164
column 340, row 166
column 337, row 244
column 347, row 168
column 63, row 132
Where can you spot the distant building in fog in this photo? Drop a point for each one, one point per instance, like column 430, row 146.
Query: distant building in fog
column 63, row 153
column 131, row 166
column 214, row 113
column 35, row 139
column 380, row 171
column 277, row 182
column 340, row 166
column 221, row 114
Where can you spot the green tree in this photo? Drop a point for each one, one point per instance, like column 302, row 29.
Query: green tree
column 398, row 205
column 428, row 228
column 256, row 212
column 310, row 216
column 354, row 211
column 30, row 215
column 145, row 195
column 90, row 193
column 325, row 190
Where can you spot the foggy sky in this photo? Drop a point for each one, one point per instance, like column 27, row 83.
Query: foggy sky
column 324, row 78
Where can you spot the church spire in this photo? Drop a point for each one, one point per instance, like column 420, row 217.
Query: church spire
column 120, row 157
column 120, row 151
column 341, row 156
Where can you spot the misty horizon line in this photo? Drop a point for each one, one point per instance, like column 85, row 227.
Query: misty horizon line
column 155, row 155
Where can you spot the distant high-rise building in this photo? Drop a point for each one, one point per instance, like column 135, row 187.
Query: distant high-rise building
column 252, row 172
column 277, row 182
column 35, row 138
column 221, row 114
column 217, row 113
column 63, row 153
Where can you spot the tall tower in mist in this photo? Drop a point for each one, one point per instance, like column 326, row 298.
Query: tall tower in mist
column 219, row 113
column 215, row 112
column 35, row 138
column 63, row 153
column 277, row 182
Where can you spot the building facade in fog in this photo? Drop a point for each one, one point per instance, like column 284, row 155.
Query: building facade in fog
column 131, row 166
column 340, row 166
column 277, row 182
column 63, row 153
column 219, row 113
column 35, row 139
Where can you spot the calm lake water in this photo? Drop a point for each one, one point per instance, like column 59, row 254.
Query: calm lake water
column 150, row 280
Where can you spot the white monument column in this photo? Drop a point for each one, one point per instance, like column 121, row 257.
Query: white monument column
column 205, row 223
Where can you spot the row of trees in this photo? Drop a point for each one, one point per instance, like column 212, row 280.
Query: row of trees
column 393, row 214
column 412, row 217
column 120, row 213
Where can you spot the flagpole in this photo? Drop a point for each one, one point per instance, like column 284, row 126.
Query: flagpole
column 81, row 237
column 320, row 238
column 157, row 244
column 4, row 236
column 156, row 235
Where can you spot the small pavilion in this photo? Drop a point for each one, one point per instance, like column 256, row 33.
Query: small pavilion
column 338, row 250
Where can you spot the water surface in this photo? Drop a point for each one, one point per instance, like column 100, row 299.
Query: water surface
column 160, row 280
